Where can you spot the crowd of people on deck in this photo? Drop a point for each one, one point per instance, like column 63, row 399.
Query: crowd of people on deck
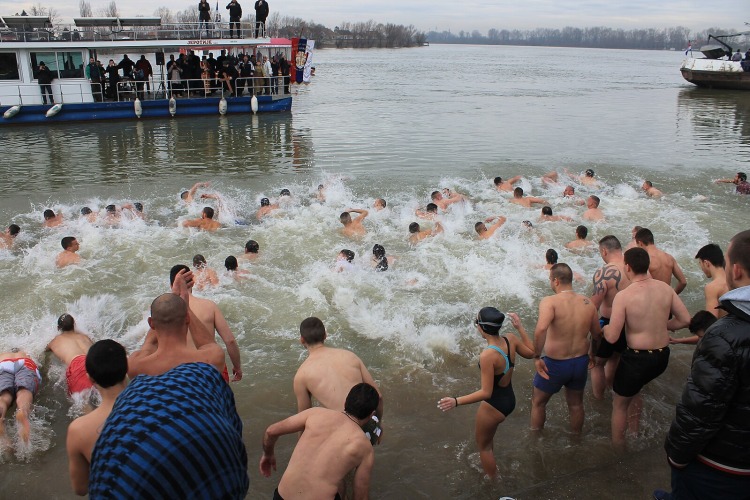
column 620, row 333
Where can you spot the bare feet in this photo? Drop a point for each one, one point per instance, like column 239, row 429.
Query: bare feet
column 24, row 428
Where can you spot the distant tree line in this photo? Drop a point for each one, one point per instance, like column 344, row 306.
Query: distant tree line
column 595, row 37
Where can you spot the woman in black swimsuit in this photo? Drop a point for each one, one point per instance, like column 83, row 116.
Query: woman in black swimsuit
column 496, row 394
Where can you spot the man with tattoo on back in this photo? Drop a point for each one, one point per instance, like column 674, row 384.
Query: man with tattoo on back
column 608, row 281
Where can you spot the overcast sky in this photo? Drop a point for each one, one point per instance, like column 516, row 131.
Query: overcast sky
column 468, row 15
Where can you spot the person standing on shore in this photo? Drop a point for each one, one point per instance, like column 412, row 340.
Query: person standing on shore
column 495, row 396
column 711, row 261
column 708, row 444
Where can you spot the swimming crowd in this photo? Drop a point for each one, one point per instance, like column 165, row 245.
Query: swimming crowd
column 153, row 438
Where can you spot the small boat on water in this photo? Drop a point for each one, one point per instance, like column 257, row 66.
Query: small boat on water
column 712, row 71
column 27, row 41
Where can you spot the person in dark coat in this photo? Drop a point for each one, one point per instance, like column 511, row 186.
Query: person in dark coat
column 204, row 17
column 44, row 77
column 114, row 77
column 235, row 14
column 261, row 14
column 126, row 65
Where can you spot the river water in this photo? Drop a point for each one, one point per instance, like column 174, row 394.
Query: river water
column 396, row 124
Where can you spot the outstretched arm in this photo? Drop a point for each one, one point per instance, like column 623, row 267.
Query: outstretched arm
column 222, row 328
column 362, row 213
column 677, row 273
column 295, row 423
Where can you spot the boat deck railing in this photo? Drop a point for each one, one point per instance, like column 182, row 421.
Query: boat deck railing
column 177, row 31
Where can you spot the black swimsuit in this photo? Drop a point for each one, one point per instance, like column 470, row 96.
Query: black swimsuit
column 503, row 399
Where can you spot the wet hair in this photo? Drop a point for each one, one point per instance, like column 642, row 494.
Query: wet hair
column 378, row 250
column 345, row 218
column 712, row 253
column 547, row 210
column 611, row 243
column 382, row 264
column 348, row 254
column 67, row 242
column 321, row 187
column 518, row 192
column 381, row 201
column 252, row 246
column 637, row 228
column 66, row 323
column 742, row 176
column 414, row 227
column 14, row 229
column 138, row 206
column 701, row 321
column 645, row 236
column 264, row 202
column 85, row 211
column 478, row 226
column 431, row 207
column 209, row 212
column 231, row 263
column 571, row 188
column 199, row 261
column 562, row 273
column 638, row 260
column 184, row 194
column 111, row 209
column 48, row 214
column 596, row 200
column 168, row 310
column 739, row 250
column 649, row 183
column 285, row 192
column 490, row 320
column 582, row 232
column 551, row 256
column 498, row 181
column 434, row 195
column 527, row 223
column 312, row 330
column 175, row 270
column 107, row 363
column 362, row 400
column 589, row 172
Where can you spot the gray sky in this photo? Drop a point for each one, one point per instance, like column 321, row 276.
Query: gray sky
column 465, row 15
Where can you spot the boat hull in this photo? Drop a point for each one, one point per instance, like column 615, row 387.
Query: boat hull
column 158, row 108
column 712, row 73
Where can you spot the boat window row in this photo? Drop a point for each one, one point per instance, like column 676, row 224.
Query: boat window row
column 61, row 64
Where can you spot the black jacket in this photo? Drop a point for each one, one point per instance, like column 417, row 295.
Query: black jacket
column 204, row 11
column 712, row 421
column 44, row 76
column 235, row 11
column 261, row 11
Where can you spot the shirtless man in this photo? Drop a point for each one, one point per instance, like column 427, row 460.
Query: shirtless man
column 206, row 221
column 593, row 212
column 19, row 382
column 68, row 256
column 650, row 190
column 525, row 201
column 632, row 243
column 506, row 185
column 188, row 196
column 429, row 213
column 328, row 373
column 379, row 204
column 107, row 367
column 265, row 208
column 52, row 220
column 8, row 236
column 89, row 214
column 588, row 179
column 580, row 243
column 643, row 309
column 353, row 228
column 111, row 215
column 662, row 265
column 550, row 258
column 570, row 192
column 485, row 232
column 344, row 261
column 711, row 261
column 330, row 445
column 251, row 250
column 445, row 199
column 417, row 234
column 562, row 331
column 608, row 281
column 203, row 275
column 71, row 346
column 166, row 344
column 548, row 217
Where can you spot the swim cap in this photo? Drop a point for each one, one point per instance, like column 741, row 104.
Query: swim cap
column 490, row 319
column 285, row 192
column 264, row 202
column 378, row 251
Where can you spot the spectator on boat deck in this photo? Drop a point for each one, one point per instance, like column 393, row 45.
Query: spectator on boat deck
column 261, row 13
column 114, row 77
column 268, row 73
column 144, row 65
column 204, row 17
column 235, row 14
column 44, row 77
column 126, row 65
column 174, row 75
column 94, row 74
column 284, row 67
column 247, row 71
column 229, row 77
column 737, row 56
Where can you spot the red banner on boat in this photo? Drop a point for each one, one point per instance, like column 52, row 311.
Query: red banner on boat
column 299, row 57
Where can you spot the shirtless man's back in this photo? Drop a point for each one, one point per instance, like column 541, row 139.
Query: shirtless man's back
column 711, row 261
column 662, row 265
column 525, row 201
column 353, row 228
column 205, row 223
column 505, row 184
column 70, row 343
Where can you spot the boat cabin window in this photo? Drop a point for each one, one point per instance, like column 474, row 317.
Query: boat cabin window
column 8, row 66
column 61, row 64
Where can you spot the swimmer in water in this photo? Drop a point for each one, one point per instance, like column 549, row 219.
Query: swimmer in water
column 353, row 228
column 88, row 214
column 587, row 179
column 232, row 266
column 203, row 276
column 70, row 346
column 550, row 258
column 19, row 383
column 548, row 217
column 593, row 212
column 507, row 184
column 188, row 196
column 632, row 243
column 380, row 261
column 51, row 219
column 68, row 256
column 417, row 234
column 484, row 232
column 525, row 201
column 111, row 215
column 379, row 204
column 495, row 396
column 650, row 190
column 580, row 243
column 570, row 193
column 265, row 208
column 8, row 236
column 206, row 221
column 740, row 180
column 430, row 212
column 446, row 198
column 344, row 261
column 251, row 250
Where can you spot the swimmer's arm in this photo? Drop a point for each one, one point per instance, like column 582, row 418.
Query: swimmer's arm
column 534, row 199
column 213, row 278
column 680, row 314
column 367, row 378
column 513, row 180
column 693, row 339
column 191, row 223
column 724, row 181
column 304, row 399
column 362, row 213
column 616, row 322
column 222, row 328
column 195, row 187
column 362, row 476
column 78, row 466
column 681, row 280
column 525, row 347
column 546, row 314
column 498, row 224
column 438, row 228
